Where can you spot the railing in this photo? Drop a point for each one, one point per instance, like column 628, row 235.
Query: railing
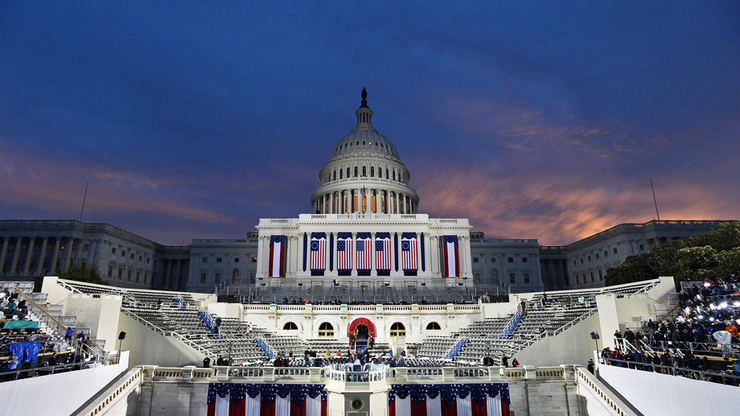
column 587, row 381
column 575, row 321
column 166, row 333
column 119, row 391
column 43, row 315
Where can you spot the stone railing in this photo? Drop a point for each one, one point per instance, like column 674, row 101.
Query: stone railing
column 116, row 393
column 590, row 384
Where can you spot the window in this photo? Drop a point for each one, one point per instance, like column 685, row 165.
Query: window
column 218, row 259
column 592, row 277
column 525, row 259
column 138, row 276
column 217, row 278
column 235, row 276
column 290, row 326
column 606, row 254
column 236, row 260
column 512, row 278
column 146, row 277
column 511, row 259
column 493, row 259
column 86, row 247
column 205, row 259
column 340, row 174
column 398, row 330
column 577, row 281
column 110, row 271
column 347, row 173
column 356, row 170
column 597, row 255
column 364, row 171
column 123, row 254
column 132, row 256
column 202, row 278
column 326, row 330
column 642, row 246
column 601, row 276
column 386, row 173
column 394, row 175
column 581, row 260
column 476, row 276
column 141, row 258
column 148, row 260
column 574, row 262
column 475, row 260
column 433, row 326
column 120, row 273
column 615, row 250
column 589, row 258
column 526, row 277
column 254, row 259
column 129, row 275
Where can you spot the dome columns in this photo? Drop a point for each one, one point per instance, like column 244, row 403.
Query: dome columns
column 379, row 200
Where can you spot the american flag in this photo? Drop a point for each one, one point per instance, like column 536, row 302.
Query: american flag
column 364, row 252
column 318, row 252
column 409, row 252
column 452, row 265
column 383, row 252
column 277, row 255
column 344, row 252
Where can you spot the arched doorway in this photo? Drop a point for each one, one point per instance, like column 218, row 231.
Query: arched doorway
column 360, row 332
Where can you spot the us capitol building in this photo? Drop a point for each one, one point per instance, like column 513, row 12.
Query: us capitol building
column 364, row 230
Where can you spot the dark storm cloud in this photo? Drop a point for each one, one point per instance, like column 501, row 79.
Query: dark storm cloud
column 534, row 119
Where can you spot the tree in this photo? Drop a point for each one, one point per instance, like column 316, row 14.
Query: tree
column 695, row 263
column 88, row 274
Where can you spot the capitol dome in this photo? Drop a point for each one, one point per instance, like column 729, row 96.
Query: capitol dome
column 364, row 160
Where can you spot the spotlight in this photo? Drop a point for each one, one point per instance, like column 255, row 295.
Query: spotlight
column 700, row 316
column 723, row 305
column 706, row 284
column 711, row 319
column 736, row 304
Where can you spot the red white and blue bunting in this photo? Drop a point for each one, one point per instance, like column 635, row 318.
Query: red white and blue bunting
column 237, row 399
column 485, row 399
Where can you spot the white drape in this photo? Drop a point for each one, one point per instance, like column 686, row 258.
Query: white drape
column 464, row 407
column 493, row 405
column 403, row 406
column 282, row 405
column 222, row 405
column 313, row 406
column 252, row 405
column 434, row 406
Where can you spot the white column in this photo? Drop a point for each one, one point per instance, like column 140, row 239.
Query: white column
column 16, row 252
column 434, row 257
column 373, row 269
column 398, row 203
column 42, row 253
column 55, row 256
column 29, row 254
column 3, row 253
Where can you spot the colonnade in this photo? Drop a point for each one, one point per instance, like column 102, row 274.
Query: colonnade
column 377, row 201
column 174, row 274
column 64, row 246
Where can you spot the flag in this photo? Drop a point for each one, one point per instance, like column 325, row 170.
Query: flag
column 409, row 252
column 484, row 399
column 277, row 255
column 248, row 399
column 452, row 263
column 364, row 252
column 383, row 252
column 318, row 252
column 344, row 252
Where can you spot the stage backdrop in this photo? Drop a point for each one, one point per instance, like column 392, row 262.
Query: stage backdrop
column 488, row 399
column 236, row 399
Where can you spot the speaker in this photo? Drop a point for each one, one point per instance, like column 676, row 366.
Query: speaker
column 122, row 335
column 594, row 335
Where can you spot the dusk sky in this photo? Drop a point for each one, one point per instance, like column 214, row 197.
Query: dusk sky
column 535, row 120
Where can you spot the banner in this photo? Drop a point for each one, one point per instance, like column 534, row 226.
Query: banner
column 229, row 399
column 344, row 252
column 383, row 252
column 364, row 253
column 277, row 256
column 487, row 399
column 452, row 264
column 409, row 252
column 318, row 253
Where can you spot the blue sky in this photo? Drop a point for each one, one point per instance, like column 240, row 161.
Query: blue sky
column 535, row 120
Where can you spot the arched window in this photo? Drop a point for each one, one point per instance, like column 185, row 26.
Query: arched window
column 235, row 277
column 433, row 326
column 347, row 173
column 340, row 174
column 290, row 326
column 372, row 171
column 494, row 275
column 356, row 171
column 364, row 171
column 380, row 173
column 398, row 330
column 335, row 175
column 326, row 330
column 387, row 176
column 394, row 175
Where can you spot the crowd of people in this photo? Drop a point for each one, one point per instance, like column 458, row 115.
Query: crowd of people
column 701, row 342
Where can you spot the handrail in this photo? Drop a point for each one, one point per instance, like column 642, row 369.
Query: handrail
column 117, row 392
column 669, row 312
column 589, row 381
column 669, row 370
column 53, row 319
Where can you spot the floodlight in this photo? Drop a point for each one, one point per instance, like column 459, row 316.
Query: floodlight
column 723, row 305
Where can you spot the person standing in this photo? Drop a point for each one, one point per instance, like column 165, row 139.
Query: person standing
column 590, row 366
column 207, row 362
